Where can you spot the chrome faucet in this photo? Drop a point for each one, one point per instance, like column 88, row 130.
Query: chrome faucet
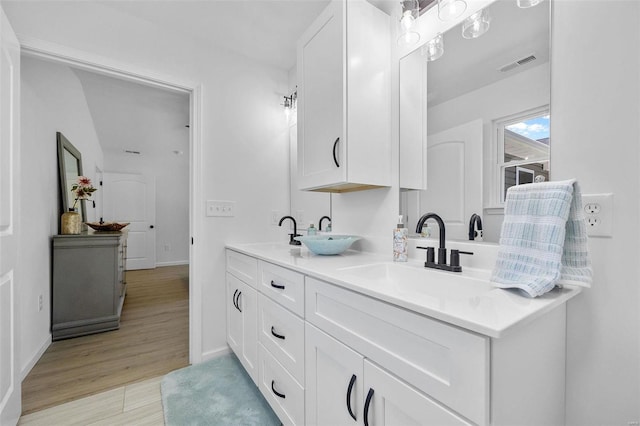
column 442, row 251
column 295, row 231
column 320, row 222
column 473, row 222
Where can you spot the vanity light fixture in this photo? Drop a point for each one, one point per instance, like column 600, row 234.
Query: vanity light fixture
column 410, row 12
column 524, row 4
column 290, row 101
column 451, row 9
column 476, row 25
column 434, row 48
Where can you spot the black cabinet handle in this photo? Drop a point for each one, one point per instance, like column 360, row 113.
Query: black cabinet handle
column 279, row 336
column 367, row 402
column 238, row 301
column 281, row 395
column 335, row 156
column 234, row 298
column 349, row 389
column 151, row 227
column 274, row 285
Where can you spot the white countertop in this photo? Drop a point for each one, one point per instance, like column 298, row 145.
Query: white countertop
column 465, row 299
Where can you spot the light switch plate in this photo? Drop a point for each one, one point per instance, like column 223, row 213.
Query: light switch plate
column 217, row 208
column 598, row 212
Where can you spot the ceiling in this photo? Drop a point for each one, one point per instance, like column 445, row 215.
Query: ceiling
column 135, row 117
column 265, row 30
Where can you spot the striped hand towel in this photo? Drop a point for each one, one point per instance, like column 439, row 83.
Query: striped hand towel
column 543, row 242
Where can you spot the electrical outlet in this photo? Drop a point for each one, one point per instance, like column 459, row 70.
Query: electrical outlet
column 40, row 303
column 598, row 209
column 220, row 208
column 300, row 217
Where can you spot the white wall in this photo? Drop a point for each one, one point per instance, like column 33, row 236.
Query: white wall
column 52, row 100
column 595, row 109
column 520, row 92
column 245, row 133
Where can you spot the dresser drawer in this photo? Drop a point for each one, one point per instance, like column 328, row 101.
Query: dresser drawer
column 283, row 285
column 280, row 389
column 243, row 267
column 445, row 362
column 282, row 333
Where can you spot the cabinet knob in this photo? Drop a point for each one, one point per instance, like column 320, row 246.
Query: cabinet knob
column 150, row 226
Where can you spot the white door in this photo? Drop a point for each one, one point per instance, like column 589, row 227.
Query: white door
column 334, row 381
column 234, row 316
column 454, row 177
column 132, row 198
column 321, row 144
column 10, row 385
column 391, row 401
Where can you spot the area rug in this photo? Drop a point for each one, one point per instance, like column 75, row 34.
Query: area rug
column 216, row 392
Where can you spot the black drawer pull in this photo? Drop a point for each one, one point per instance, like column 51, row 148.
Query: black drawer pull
column 274, row 285
column 281, row 395
column 238, row 301
column 367, row 402
column 279, row 336
column 349, row 389
column 234, row 298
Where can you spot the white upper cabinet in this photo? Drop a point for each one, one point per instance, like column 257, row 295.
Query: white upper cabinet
column 344, row 135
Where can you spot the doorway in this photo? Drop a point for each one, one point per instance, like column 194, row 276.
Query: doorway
column 180, row 270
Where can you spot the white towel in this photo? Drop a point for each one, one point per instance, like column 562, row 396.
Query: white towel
column 543, row 242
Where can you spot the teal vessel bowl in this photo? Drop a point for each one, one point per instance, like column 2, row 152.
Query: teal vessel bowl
column 327, row 245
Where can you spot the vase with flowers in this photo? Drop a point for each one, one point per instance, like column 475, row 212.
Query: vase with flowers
column 71, row 222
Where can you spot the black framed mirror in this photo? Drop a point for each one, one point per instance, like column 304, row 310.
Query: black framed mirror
column 69, row 168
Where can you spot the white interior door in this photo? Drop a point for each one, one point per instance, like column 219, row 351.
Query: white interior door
column 132, row 198
column 454, row 177
column 10, row 385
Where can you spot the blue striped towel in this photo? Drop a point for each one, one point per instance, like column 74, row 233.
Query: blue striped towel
column 543, row 242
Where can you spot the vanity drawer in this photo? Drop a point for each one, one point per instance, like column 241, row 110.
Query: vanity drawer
column 280, row 389
column 448, row 364
column 283, row 285
column 282, row 333
column 243, row 267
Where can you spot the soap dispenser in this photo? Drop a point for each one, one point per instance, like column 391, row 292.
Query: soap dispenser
column 400, row 234
column 311, row 230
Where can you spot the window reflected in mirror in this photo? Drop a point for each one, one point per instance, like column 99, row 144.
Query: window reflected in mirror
column 524, row 145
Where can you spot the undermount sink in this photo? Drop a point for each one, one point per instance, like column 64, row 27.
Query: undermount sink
column 327, row 244
column 417, row 280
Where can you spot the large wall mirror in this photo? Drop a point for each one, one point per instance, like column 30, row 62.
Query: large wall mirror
column 480, row 114
column 69, row 168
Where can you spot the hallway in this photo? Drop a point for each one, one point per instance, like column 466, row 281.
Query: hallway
column 152, row 341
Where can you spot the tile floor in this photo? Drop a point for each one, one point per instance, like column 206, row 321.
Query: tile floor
column 135, row 404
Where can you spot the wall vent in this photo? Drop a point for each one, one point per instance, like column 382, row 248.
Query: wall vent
column 130, row 151
column 519, row 62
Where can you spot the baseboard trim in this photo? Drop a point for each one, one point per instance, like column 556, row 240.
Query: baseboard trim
column 174, row 263
column 32, row 362
column 206, row 356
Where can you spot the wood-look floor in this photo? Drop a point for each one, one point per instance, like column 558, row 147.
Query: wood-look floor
column 152, row 341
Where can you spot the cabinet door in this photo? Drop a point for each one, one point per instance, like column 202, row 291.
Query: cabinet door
column 334, row 381
column 321, row 100
column 242, row 323
column 391, row 401
column 234, row 316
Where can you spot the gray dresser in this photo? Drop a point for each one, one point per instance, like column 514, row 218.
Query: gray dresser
column 89, row 284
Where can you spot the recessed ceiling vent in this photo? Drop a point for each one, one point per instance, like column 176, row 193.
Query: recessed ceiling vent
column 130, row 151
column 517, row 63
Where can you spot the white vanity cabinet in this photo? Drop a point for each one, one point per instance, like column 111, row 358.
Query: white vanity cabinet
column 242, row 310
column 344, row 136
column 328, row 355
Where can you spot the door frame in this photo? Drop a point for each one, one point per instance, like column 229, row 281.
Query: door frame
column 98, row 64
